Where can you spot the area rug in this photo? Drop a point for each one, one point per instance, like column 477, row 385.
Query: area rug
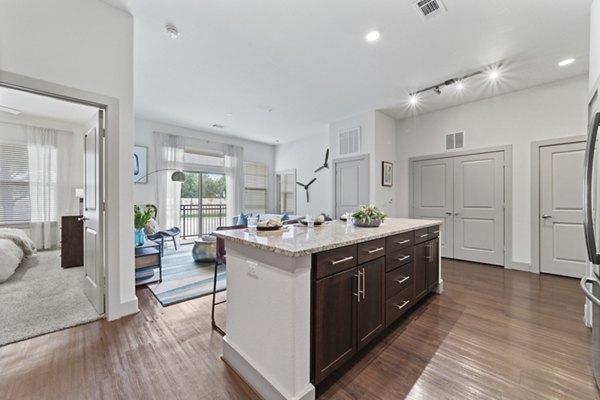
column 184, row 279
column 41, row 297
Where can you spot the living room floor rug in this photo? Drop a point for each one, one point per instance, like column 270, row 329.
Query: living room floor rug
column 184, row 279
column 41, row 297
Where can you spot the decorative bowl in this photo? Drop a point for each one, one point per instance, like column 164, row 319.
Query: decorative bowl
column 373, row 224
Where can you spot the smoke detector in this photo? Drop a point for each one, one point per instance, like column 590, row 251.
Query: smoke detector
column 429, row 8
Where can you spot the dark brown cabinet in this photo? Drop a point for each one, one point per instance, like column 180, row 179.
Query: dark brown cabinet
column 71, row 241
column 421, row 261
column 334, row 319
column 359, row 290
column 433, row 264
column 370, row 311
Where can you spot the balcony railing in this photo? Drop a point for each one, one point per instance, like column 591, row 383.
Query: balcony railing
column 201, row 220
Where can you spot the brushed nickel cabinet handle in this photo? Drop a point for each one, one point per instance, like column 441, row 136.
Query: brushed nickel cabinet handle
column 375, row 250
column 341, row 260
column 436, row 232
column 404, row 279
column 424, row 235
column 400, row 307
column 359, row 292
column 403, row 241
column 363, row 283
column 402, row 258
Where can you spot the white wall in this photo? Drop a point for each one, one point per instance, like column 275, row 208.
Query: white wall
column 594, row 44
column 306, row 155
column 554, row 110
column 385, row 150
column 144, row 136
column 84, row 45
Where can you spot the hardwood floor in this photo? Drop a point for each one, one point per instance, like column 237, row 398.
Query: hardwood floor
column 493, row 334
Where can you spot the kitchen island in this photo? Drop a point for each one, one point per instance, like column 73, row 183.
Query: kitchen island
column 302, row 301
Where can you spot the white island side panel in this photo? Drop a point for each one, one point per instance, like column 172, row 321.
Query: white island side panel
column 268, row 321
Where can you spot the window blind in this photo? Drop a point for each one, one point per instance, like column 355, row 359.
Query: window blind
column 255, row 187
column 15, row 200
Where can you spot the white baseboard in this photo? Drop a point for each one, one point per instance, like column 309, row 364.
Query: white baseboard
column 520, row 266
column 128, row 307
column 256, row 379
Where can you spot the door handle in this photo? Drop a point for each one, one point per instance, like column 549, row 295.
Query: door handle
column 588, row 220
column 448, row 213
column 456, row 213
column 546, row 216
column 83, row 219
column 584, row 281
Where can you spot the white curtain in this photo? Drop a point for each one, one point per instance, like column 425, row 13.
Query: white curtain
column 234, row 180
column 170, row 150
column 43, row 186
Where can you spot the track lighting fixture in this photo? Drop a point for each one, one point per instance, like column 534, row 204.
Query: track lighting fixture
column 493, row 73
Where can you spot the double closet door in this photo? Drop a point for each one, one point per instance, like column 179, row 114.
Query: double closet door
column 467, row 192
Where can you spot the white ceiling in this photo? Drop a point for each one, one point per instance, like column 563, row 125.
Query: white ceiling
column 38, row 106
column 286, row 69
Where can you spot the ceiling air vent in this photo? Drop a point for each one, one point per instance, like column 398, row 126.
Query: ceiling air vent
column 455, row 140
column 429, row 8
column 349, row 141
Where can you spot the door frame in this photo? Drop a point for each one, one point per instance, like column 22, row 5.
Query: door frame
column 334, row 163
column 111, row 117
column 535, row 192
column 508, row 185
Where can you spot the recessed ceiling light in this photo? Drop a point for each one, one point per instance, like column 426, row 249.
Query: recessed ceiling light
column 460, row 85
column 10, row 110
column 413, row 99
column 494, row 74
column 566, row 62
column 373, row 36
column 172, row 31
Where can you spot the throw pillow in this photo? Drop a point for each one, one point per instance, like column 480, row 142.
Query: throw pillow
column 285, row 217
column 242, row 219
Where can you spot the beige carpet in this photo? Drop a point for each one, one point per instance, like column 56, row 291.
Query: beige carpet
column 41, row 297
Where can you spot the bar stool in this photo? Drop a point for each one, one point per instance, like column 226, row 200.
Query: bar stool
column 220, row 260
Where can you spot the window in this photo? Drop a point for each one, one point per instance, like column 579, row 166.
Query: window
column 15, row 201
column 286, row 192
column 255, row 187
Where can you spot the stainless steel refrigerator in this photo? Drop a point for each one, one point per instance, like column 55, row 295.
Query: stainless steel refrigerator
column 591, row 283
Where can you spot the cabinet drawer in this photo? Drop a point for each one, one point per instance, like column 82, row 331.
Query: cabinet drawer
column 331, row 261
column 401, row 241
column 433, row 231
column 401, row 257
column 422, row 235
column 399, row 279
column 371, row 250
column 398, row 305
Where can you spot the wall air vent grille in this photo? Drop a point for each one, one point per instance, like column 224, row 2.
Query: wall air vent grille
column 349, row 141
column 429, row 8
column 455, row 140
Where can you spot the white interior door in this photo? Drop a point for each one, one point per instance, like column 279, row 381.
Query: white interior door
column 479, row 208
column 562, row 242
column 433, row 197
column 351, row 185
column 93, row 213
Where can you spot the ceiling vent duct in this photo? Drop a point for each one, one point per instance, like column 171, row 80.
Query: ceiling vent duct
column 429, row 8
column 349, row 141
column 455, row 140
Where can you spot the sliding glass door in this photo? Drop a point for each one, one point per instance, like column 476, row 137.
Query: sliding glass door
column 203, row 204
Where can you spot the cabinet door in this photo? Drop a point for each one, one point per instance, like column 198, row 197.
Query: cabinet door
column 334, row 321
column 421, row 253
column 433, row 264
column 370, row 318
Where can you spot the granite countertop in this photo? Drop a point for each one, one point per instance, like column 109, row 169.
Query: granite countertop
column 299, row 240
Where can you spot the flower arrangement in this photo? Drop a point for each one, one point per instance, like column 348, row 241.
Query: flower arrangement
column 141, row 218
column 368, row 216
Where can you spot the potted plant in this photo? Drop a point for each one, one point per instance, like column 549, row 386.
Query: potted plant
column 140, row 219
column 368, row 216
